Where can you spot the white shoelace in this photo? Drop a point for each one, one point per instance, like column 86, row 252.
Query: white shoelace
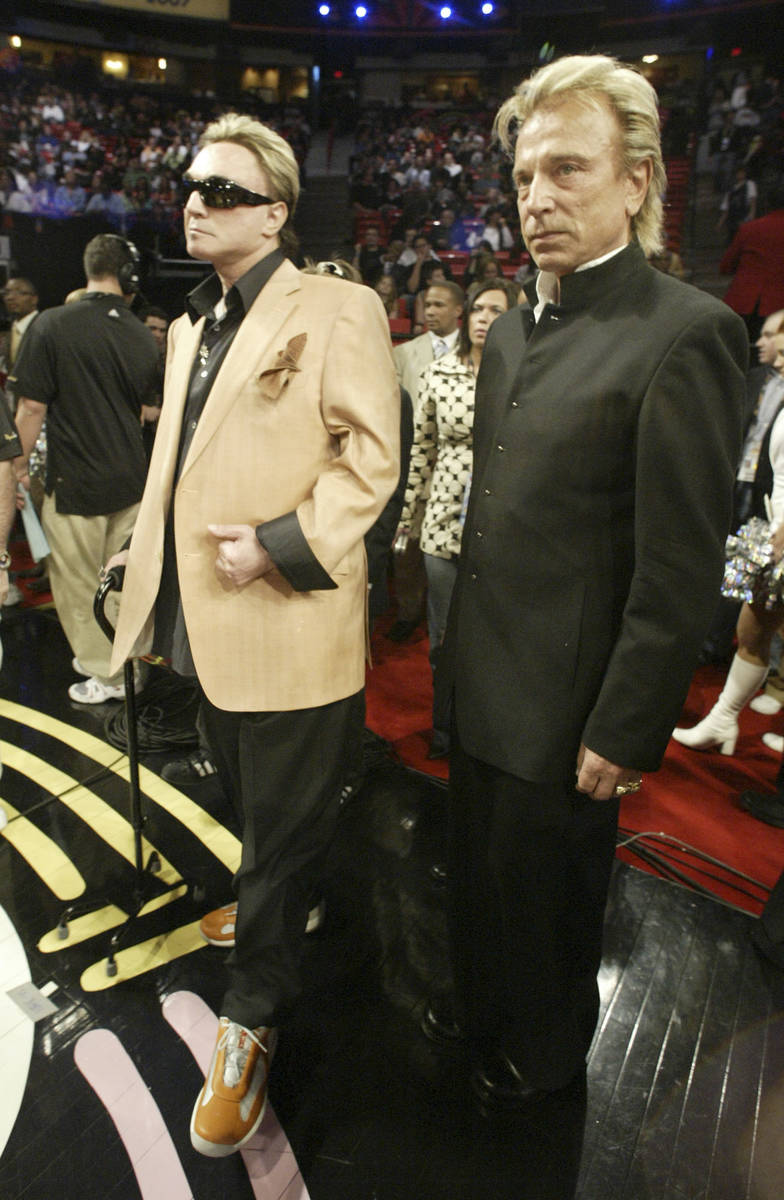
column 236, row 1042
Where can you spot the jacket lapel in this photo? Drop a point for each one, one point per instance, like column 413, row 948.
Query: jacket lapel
column 252, row 344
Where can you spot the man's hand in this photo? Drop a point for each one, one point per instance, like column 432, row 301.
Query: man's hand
column 22, row 476
column 599, row 778
column 117, row 560
column 241, row 558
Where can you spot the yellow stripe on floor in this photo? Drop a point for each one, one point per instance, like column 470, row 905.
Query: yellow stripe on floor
column 218, row 840
column 100, row 816
column 101, row 920
column 50, row 863
column 136, row 960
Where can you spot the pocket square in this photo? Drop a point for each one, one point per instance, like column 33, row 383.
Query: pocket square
column 275, row 378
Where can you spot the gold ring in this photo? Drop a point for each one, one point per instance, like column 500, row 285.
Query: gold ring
column 624, row 789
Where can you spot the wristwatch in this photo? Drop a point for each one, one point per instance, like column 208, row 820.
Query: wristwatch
column 5, row 560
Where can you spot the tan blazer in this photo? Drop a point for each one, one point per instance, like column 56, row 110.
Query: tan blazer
column 303, row 418
column 411, row 358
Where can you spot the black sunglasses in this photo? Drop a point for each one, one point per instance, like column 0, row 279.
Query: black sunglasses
column 217, row 192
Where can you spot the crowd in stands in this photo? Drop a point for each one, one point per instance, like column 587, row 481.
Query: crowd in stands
column 432, row 199
column 112, row 152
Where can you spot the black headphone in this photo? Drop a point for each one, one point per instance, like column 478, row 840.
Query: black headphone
column 129, row 274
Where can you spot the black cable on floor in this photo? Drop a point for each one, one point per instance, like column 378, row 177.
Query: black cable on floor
column 638, row 843
column 96, row 777
column 166, row 712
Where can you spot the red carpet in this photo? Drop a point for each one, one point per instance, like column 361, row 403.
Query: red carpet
column 692, row 799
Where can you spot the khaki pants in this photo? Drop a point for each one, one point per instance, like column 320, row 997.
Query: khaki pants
column 80, row 546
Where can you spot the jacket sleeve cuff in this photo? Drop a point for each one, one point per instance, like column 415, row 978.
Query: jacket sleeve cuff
column 286, row 545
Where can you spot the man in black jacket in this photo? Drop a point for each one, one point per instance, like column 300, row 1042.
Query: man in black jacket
column 607, row 431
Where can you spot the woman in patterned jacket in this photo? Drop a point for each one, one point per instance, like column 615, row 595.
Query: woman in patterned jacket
column 440, row 470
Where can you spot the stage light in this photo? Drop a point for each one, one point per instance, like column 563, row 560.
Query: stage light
column 487, row 8
column 16, row 42
column 446, row 13
column 650, row 58
column 361, row 12
column 324, row 10
column 162, row 64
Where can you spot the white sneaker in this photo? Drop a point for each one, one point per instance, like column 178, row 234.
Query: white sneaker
column 77, row 666
column 774, row 741
column 92, row 691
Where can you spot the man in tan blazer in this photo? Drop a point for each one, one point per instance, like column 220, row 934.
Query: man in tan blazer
column 443, row 306
column 277, row 449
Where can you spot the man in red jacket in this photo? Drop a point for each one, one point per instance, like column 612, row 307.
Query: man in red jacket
column 756, row 255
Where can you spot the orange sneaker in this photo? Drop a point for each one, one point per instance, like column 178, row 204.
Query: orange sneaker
column 217, row 927
column 230, row 1107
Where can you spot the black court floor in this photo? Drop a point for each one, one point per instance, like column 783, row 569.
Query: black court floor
column 684, row 1090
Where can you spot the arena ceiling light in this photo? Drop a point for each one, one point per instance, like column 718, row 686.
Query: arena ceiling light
column 445, row 13
column 360, row 12
column 324, row 10
column 487, row 9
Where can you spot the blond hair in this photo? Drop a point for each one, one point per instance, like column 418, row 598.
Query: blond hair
column 597, row 77
column 273, row 154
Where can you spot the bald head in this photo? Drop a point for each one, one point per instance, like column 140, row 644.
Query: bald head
column 774, row 324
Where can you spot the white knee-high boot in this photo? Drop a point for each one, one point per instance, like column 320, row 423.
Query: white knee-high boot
column 720, row 727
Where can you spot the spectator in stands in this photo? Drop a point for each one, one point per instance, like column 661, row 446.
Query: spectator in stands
column 391, row 260
column 365, row 193
column 449, row 164
column 386, row 289
column 418, row 173
column 440, row 473
column 739, row 204
column 408, row 254
column 70, row 197
column 369, row 256
column 482, row 265
column 496, row 232
column 449, row 232
column 107, row 203
column 424, row 253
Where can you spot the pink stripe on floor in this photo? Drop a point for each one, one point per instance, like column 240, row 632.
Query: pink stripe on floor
column 102, row 1060
column 268, row 1157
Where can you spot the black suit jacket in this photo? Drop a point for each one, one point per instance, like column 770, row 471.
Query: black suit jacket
column 606, row 440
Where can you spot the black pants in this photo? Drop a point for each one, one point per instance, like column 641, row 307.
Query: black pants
column 285, row 770
column 528, row 866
